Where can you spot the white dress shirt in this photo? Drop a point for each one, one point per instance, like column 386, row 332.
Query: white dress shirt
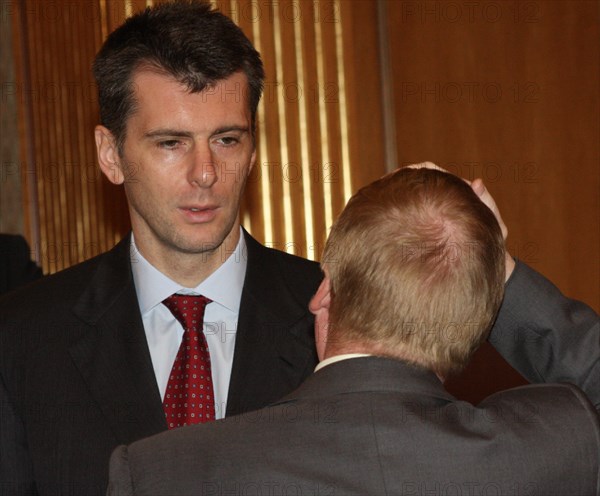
column 164, row 332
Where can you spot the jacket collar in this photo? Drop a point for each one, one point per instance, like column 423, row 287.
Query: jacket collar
column 111, row 352
column 370, row 374
column 111, row 281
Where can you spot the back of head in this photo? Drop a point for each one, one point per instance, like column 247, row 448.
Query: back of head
column 416, row 263
column 185, row 39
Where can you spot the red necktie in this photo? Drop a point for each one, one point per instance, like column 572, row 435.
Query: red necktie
column 189, row 396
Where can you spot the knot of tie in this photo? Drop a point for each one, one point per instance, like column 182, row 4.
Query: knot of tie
column 188, row 309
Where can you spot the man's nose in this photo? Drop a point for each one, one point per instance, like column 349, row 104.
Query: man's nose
column 203, row 170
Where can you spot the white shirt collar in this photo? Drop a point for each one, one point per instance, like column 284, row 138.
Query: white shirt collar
column 339, row 358
column 223, row 286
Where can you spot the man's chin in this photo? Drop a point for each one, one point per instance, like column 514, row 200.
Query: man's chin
column 199, row 242
column 199, row 248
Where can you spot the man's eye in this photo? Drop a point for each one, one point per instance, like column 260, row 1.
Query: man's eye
column 168, row 144
column 227, row 140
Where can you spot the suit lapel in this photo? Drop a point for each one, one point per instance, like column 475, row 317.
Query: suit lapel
column 112, row 355
column 274, row 349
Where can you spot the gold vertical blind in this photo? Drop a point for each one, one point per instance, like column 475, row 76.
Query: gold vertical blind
column 319, row 123
column 302, row 175
column 73, row 212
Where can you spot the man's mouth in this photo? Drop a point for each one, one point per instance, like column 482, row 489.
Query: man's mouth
column 199, row 213
column 198, row 208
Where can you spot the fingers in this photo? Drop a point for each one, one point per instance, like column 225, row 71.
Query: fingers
column 431, row 165
column 478, row 187
column 426, row 165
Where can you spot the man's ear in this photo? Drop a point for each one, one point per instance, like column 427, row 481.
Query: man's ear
column 322, row 298
column 319, row 307
column 108, row 155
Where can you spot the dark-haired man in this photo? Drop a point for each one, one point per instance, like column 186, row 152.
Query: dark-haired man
column 374, row 418
column 96, row 356
column 88, row 359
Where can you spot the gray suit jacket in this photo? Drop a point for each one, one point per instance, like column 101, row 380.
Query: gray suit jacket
column 547, row 337
column 375, row 426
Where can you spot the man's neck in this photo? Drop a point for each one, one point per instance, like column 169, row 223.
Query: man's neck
column 188, row 269
column 344, row 350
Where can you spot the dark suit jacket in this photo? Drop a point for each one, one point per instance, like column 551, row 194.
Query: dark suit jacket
column 76, row 377
column 16, row 266
column 375, row 426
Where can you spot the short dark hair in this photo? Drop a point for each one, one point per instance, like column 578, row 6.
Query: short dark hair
column 186, row 39
column 416, row 261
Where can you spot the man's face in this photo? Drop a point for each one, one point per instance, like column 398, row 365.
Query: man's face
column 185, row 161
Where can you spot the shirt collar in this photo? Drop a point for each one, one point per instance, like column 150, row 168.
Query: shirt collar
column 339, row 358
column 223, row 286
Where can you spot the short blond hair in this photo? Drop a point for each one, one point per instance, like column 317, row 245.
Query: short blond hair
column 416, row 263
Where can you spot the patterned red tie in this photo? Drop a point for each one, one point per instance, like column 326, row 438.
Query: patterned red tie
column 189, row 396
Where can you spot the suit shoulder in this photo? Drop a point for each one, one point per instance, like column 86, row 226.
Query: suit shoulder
column 540, row 392
column 559, row 403
column 300, row 275
column 298, row 265
column 295, row 271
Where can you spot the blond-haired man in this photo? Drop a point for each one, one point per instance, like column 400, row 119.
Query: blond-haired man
column 414, row 274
